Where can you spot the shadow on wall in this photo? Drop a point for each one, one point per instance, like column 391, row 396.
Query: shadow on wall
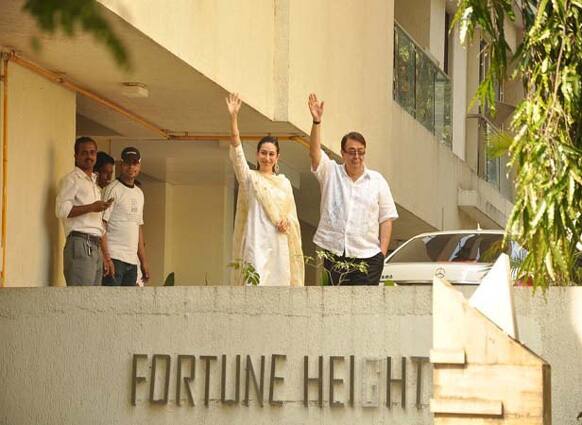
column 575, row 322
column 53, row 273
column 565, row 336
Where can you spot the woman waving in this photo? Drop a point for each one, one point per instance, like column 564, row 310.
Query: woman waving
column 266, row 232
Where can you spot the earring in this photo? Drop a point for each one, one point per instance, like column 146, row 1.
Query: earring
column 276, row 168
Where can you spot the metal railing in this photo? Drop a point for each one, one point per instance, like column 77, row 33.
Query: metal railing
column 491, row 169
column 420, row 87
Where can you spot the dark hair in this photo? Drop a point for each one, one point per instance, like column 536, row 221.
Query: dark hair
column 82, row 140
column 102, row 159
column 353, row 135
column 268, row 139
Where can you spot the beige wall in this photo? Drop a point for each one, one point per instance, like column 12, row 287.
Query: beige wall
column 458, row 71
column 67, row 353
column 429, row 176
column 41, row 134
column 188, row 231
column 414, row 17
column 437, row 31
column 195, row 234
column 155, row 229
column 348, row 63
column 229, row 41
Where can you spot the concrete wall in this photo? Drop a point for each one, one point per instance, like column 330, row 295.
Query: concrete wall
column 437, row 31
column 458, row 75
column 195, row 235
column 230, row 42
column 67, row 353
column 155, row 229
column 414, row 16
column 41, row 134
column 428, row 176
column 347, row 61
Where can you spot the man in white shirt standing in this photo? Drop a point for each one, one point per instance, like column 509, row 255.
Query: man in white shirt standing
column 80, row 207
column 125, row 248
column 357, row 208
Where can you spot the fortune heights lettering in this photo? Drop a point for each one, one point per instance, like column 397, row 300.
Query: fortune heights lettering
column 364, row 381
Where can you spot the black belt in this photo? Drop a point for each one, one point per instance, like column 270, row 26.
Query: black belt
column 91, row 238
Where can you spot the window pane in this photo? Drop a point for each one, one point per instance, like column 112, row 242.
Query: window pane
column 425, row 77
column 469, row 247
column 405, row 71
column 443, row 108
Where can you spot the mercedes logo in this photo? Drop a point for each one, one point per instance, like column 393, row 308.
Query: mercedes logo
column 440, row 272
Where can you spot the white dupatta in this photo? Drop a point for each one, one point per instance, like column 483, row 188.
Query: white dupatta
column 276, row 209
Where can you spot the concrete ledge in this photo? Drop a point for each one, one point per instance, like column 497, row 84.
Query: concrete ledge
column 67, row 353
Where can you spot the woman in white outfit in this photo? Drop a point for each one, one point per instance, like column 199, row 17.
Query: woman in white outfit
column 266, row 232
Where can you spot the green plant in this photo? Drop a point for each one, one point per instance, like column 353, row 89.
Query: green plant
column 343, row 267
column 170, row 279
column 249, row 273
column 68, row 15
column 545, row 146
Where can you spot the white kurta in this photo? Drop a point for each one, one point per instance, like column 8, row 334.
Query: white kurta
column 263, row 246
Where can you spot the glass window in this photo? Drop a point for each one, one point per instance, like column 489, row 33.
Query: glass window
column 405, row 64
column 463, row 247
column 421, row 88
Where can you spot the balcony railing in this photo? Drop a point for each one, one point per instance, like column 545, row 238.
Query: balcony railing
column 491, row 169
column 420, row 87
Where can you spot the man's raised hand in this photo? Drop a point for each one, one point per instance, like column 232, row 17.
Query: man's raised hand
column 315, row 107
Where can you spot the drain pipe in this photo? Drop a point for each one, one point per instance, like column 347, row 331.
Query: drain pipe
column 4, row 79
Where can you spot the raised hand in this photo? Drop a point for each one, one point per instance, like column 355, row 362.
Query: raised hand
column 315, row 107
column 233, row 103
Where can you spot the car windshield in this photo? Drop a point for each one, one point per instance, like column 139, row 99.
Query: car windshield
column 456, row 247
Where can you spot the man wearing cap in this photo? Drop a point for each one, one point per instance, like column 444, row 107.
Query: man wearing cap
column 80, row 207
column 124, row 249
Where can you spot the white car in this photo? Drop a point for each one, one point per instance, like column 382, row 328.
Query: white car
column 462, row 257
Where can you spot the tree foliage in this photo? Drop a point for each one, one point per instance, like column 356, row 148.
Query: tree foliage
column 68, row 15
column 545, row 143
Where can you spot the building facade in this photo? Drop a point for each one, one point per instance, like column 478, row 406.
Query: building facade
column 390, row 70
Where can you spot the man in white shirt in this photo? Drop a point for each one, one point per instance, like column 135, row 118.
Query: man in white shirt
column 125, row 249
column 80, row 207
column 357, row 208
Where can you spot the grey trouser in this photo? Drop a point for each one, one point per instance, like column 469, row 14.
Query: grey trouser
column 83, row 263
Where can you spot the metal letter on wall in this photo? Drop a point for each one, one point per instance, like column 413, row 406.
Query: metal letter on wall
column 333, row 380
column 274, row 379
column 207, row 360
column 134, row 378
column 187, row 379
column 307, row 380
column 223, row 398
column 259, row 387
column 390, row 381
column 370, row 382
column 168, row 361
column 419, row 361
column 352, row 379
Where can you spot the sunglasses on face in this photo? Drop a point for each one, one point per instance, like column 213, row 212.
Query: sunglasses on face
column 354, row 152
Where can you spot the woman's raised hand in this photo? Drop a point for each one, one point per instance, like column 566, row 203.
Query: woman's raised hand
column 233, row 103
column 315, row 107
